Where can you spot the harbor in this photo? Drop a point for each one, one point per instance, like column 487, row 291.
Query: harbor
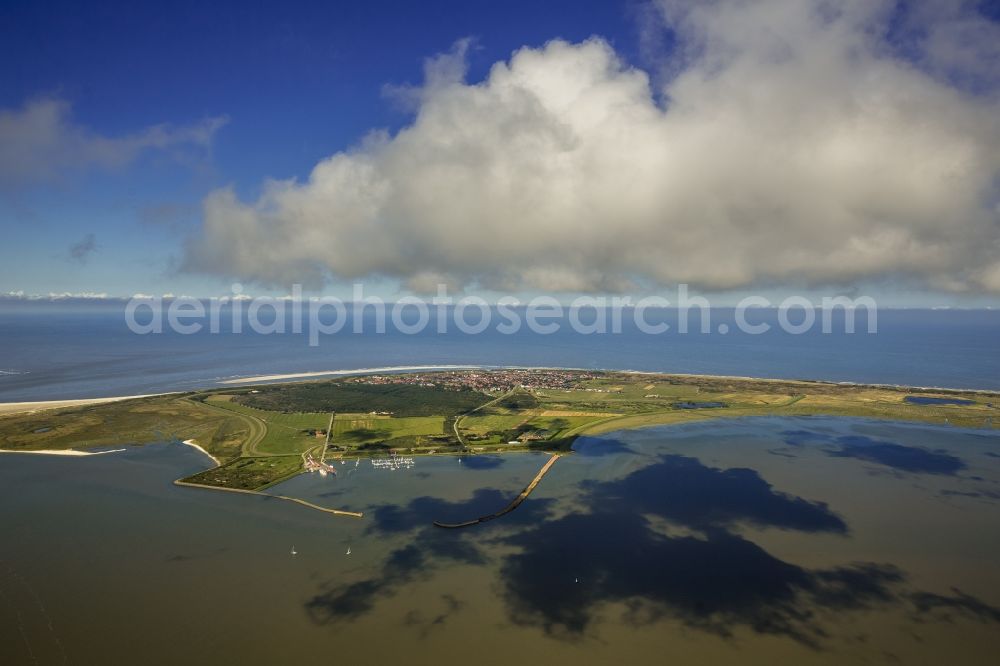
column 393, row 462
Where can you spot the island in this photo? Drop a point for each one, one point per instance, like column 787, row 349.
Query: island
column 259, row 435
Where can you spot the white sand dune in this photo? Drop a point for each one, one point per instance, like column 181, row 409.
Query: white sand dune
column 20, row 407
column 357, row 371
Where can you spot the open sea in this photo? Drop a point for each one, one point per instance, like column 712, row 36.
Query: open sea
column 49, row 351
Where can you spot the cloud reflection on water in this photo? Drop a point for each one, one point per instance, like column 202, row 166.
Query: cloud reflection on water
column 666, row 540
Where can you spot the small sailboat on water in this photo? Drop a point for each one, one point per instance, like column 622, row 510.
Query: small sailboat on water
column 348, row 550
column 294, row 552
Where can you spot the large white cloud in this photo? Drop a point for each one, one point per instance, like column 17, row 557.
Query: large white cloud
column 791, row 144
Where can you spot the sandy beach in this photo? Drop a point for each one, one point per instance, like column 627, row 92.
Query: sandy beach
column 357, row 371
column 20, row 407
column 65, row 452
column 192, row 444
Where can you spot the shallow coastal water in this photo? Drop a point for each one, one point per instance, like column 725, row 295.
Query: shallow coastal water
column 801, row 540
column 927, row 400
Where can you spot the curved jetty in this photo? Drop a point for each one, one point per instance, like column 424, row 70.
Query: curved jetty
column 510, row 507
column 336, row 512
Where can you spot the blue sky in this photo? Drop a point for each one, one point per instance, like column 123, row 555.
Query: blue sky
column 256, row 91
column 298, row 81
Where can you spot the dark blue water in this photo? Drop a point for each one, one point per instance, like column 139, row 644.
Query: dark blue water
column 925, row 400
column 48, row 351
column 698, row 405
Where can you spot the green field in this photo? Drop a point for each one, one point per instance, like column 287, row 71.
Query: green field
column 285, row 432
column 477, row 425
column 263, row 434
column 356, row 429
column 249, row 473
column 351, row 397
column 139, row 421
